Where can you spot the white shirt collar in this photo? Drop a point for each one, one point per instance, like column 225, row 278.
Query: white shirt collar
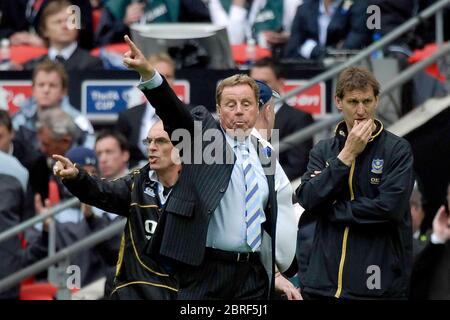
column 11, row 149
column 264, row 142
column 154, row 178
column 66, row 53
column 277, row 107
column 233, row 142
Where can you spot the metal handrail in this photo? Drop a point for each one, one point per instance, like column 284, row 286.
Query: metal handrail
column 316, row 127
column 366, row 52
column 32, row 221
column 86, row 243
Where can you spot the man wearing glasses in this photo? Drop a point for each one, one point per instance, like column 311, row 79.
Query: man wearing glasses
column 140, row 197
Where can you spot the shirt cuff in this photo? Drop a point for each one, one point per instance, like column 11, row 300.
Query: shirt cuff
column 154, row 82
column 435, row 239
column 307, row 47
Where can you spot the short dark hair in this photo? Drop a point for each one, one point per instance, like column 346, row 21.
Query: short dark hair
column 5, row 120
column 356, row 78
column 269, row 63
column 122, row 141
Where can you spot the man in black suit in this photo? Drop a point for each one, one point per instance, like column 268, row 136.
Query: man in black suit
column 19, row 16
column 288, row 120
column 61, row 38
column 430, row 274
column 135, row 122
column 221, row 218
column 319, row 24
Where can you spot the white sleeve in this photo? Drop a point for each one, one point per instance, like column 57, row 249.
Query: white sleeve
column 307, row 47
column 237, row 25
column 287, row 221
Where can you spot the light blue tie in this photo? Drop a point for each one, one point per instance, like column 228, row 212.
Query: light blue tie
column 253, row 212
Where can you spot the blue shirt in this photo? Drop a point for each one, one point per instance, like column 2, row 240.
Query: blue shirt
column 227, row 227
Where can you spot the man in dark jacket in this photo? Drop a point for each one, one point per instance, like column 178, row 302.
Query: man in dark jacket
column 13, row 184
column 430, row 274
column 140, row 197
column 319, row 25
column 62, row 40
column 358, row 185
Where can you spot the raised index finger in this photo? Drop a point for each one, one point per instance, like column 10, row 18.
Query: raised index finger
column 64, row 160
column 131, row 44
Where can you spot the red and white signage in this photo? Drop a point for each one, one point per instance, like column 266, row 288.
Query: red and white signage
column 13, row 93
column 312, row 100
column 183, row 90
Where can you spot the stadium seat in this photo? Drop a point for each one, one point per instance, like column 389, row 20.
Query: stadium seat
column 38, row 291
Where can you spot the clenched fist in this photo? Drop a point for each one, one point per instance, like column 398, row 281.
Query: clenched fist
column 64, row 168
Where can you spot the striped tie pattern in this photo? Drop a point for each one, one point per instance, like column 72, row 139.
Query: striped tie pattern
column 252, row 201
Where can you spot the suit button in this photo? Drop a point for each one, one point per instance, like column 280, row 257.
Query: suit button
column 209, row 210
column 222, row 190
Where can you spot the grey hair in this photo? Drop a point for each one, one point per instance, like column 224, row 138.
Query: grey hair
column 58, row 122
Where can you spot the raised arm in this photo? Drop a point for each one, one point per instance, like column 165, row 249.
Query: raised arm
column 172, row 111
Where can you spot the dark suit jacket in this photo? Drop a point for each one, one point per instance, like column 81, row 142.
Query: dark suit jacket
column 200, row 187
column 430, row 274
column 14, row 19
column 129, row 124
column 289, row 120
column 348, row 26
column 79, row 60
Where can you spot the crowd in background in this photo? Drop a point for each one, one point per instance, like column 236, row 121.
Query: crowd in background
column 47, row 124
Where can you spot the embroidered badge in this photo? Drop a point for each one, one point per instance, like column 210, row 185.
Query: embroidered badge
column 377, row 166
column 149, row 191
column 375, row 180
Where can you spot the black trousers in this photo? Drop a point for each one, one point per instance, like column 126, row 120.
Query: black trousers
column 217, row 279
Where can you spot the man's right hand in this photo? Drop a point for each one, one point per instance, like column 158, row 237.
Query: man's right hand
column 356, row 141
column 64, row 168
column 134, row 59
column 441, row 225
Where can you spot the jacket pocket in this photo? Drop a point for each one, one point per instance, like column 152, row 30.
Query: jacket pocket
column 180, row 207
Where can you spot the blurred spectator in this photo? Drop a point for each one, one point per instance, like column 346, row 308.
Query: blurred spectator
column 119, row 15
column 417, row 215
column 267, row 21
column 50, row 83
column 393, row 14
column 430, row 275
column 135, row 122
column 322, row 24
column 20, row 21
column 76, row 223
column 288, row 120
column 13, row 182
column 113, row 154
column 61, row 37
column 13, row 147
column 56, row 131
column 6, row 133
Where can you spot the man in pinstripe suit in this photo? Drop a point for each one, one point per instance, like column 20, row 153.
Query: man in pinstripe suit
column 208, row 218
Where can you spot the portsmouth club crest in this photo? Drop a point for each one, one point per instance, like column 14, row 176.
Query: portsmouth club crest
column 149, row 191
column 377, row 166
